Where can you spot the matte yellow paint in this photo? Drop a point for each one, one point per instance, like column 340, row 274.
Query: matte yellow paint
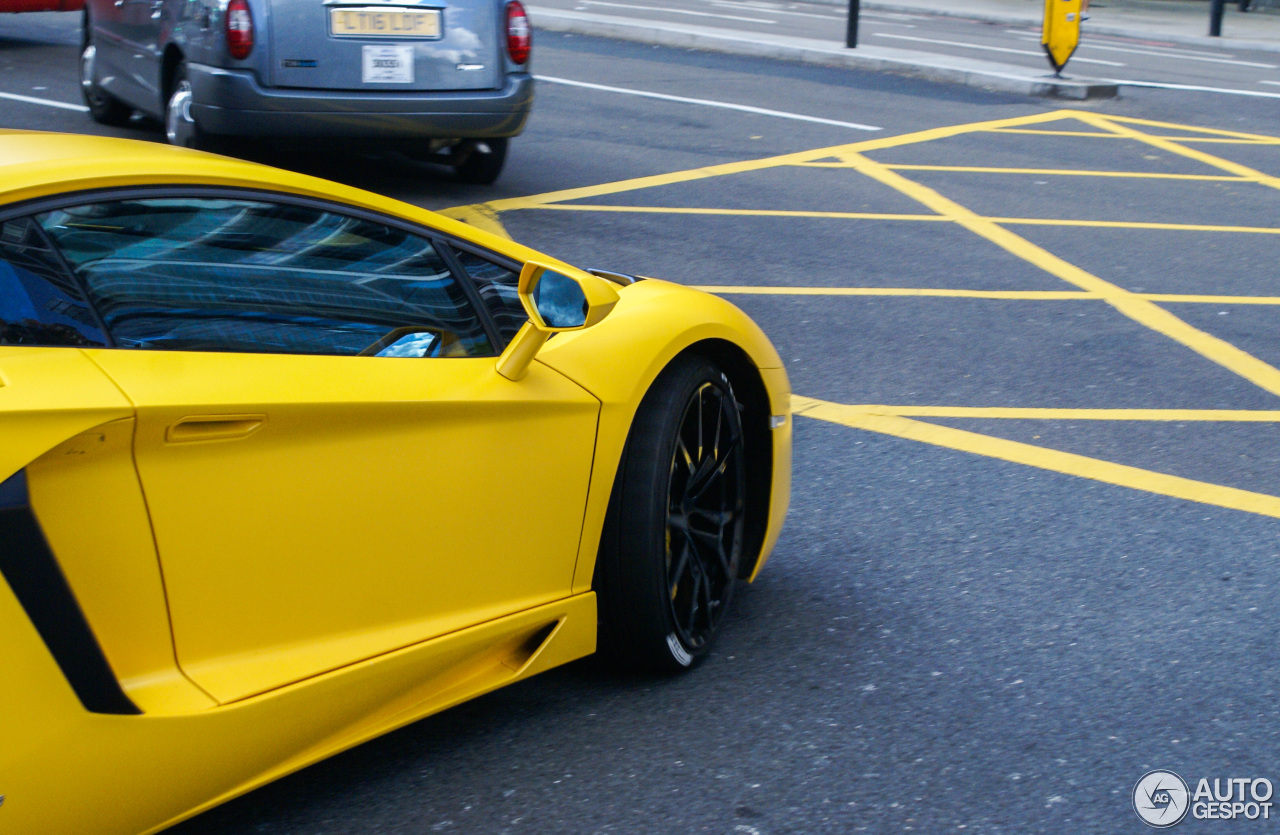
column 1060, row 31
column 605, row 359
column 35, row 416
column 131, row 774
column 1042, row 457
column 89, row 503
column 599, row 298
column 379, row 476
column 344, row 544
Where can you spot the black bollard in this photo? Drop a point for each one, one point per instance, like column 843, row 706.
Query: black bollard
column 1215, row 18
column 851, row 34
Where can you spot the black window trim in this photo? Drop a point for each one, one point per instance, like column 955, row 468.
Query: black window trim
column 443, row 241
column 70, row 274
column 503, row 261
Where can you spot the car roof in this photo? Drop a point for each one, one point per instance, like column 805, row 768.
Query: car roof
column 36, row 164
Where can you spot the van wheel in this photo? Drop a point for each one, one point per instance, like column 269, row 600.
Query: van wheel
column 180, row 126
column 104, row 108
column 482, row 162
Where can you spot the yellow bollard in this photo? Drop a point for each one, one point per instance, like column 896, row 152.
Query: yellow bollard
column 1061, row 31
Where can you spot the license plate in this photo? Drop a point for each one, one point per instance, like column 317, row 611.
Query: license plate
column 387, row 65
column 377, row 22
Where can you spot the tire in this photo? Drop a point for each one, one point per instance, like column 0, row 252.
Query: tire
column 672, row 541
column 483, row 162
column 180, row 127
column 104, row 108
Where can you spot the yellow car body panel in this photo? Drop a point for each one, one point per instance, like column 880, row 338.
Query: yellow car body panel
column 618, row 363
column 90, row 506
column 382, row 475
column 65, row 770
column 257, row 622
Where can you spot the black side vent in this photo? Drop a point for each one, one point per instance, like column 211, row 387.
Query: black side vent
column 28, row 566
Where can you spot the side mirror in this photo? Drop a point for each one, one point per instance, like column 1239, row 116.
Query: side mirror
column 557, row 299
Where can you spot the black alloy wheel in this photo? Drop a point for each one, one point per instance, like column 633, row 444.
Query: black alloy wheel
column 672, row 544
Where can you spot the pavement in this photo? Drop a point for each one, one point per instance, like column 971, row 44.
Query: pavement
column 1181, row 22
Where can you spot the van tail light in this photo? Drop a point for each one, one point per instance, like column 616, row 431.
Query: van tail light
column 519, row 34
column 239, row 29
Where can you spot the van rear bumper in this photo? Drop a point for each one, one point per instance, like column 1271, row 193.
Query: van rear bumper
column 233, row 103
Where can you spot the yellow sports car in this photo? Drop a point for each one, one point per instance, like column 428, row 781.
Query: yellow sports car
column 285, row 465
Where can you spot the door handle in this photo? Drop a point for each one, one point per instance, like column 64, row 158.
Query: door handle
column 213, row 428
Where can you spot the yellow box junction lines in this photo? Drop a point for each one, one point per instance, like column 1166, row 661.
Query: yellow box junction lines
column 1143, row 308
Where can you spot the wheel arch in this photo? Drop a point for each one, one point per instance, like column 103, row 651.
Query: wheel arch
column 619, row 361
column 173, row 58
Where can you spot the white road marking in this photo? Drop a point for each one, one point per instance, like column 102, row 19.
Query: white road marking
column 989, row 48
column 750, row 7
column 46, row 102
column 1132, row 51
column 781, row 114
column 1195, row 88
column 674, row 11
column 1180, row 51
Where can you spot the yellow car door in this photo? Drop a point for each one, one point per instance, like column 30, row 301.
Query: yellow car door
column 333, row 467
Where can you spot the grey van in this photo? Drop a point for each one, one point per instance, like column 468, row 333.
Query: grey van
column 442, row 80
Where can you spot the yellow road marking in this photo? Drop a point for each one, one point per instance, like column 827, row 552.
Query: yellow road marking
column 665, row 210
column 1140, row 310
column 1125, row 224
column 1009, row 295
column 743, row 166
column 1253, row 139
column 1010, row 221
column 1171, row 146
column 1222, row 141
column 1130, row 120
column 997, row 295
column 480, row 216
column 1041, row 457
column 1035, row 132
column 1055, row 172
column 1020, row 413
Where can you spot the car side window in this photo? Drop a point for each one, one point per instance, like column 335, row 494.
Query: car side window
column 498, row 287
column 40, row 303
column 210, row 274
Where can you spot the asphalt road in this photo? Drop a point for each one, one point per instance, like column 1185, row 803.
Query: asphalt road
column 958, row 630
column 1099, row 56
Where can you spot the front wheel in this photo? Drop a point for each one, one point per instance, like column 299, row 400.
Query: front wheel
column 672, row 541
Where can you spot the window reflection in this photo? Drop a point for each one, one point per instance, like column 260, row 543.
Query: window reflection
column 40, row 303
column 236, row 275
column 499, row 288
